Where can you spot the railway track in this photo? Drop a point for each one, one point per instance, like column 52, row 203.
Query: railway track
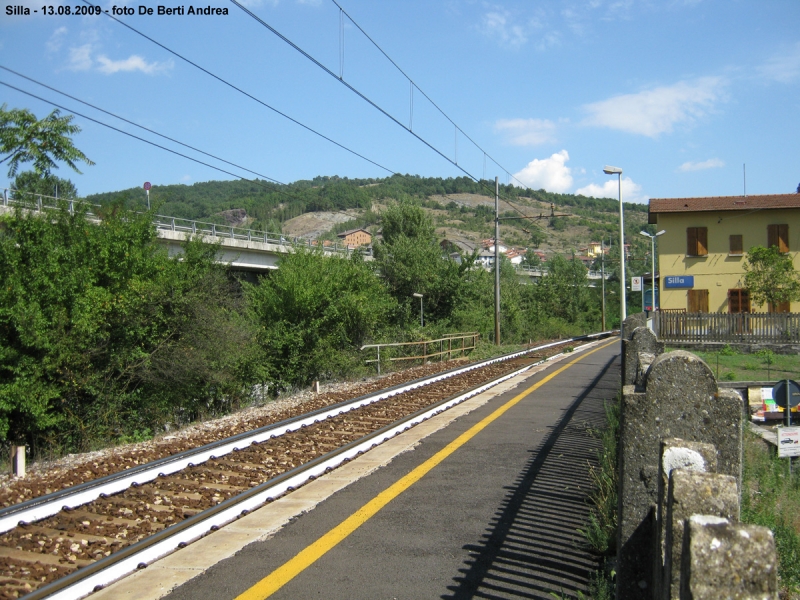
column 71, row 542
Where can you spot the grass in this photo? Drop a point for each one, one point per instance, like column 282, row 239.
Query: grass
column 771, row 497
column 730, row 365
column 600, row 531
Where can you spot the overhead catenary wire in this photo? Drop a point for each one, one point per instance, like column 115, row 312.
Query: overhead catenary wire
column 146, row 141
column 368, row 100
column 421, row 91
column 241, row 91
column 166, row 137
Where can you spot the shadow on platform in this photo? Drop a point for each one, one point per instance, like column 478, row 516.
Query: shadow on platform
column 532, row 547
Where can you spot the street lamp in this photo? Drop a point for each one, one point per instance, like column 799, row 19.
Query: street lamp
column 653, row 263
column 420, row 307
column 618, row 172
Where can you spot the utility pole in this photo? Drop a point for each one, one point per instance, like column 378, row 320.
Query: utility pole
column 497, row 261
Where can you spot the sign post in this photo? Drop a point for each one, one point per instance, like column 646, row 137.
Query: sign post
column 147, row 189
column 788, row 392
column 636, row 286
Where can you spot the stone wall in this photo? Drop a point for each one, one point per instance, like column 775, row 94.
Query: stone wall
column 680, row 473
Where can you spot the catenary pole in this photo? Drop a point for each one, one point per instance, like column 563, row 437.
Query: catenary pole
column 497, row 261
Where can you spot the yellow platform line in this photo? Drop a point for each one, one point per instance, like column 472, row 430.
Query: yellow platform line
column 308, row 556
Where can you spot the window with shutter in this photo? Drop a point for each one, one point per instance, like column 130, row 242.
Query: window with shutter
column 697, row 301
column 778, row 307
column 738, row 301
column 736, row 245
column 696, row 241
column 778, row 235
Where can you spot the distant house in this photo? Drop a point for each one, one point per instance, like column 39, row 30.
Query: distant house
column 356, row 237
column 595, row 249
column 489, row 245
column 515, row 255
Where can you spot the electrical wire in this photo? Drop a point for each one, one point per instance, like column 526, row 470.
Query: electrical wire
column 362, row 95
column 241, row 91
column 428, row 98
column 44, row 85
column 141, row 139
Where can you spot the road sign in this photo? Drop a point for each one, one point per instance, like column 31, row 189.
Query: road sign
column 788, row 441
column 779, row 393
column 636, row 284
column 147, row 185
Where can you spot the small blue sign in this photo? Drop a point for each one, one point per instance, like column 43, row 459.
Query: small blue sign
column 679, row 281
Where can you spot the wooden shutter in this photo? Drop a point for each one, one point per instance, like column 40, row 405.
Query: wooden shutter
column 738, row 301
column 736, row 246
column 696, row 241
column 778, row 235
column 691, row 241
column 697, row 301
column 780, row 307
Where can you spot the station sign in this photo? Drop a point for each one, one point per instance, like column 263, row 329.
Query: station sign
column 788, row 441
column 679, row 281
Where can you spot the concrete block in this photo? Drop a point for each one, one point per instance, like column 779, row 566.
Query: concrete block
column 724, row 560
column 642, row 341
column 692, row 493
column 681, row 400
column 675, row 454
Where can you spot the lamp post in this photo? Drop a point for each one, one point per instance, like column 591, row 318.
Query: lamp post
column 623, row 312
column 653, row 264
column 420, row 308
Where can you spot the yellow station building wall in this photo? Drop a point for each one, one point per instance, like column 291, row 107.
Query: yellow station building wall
column 718, row 271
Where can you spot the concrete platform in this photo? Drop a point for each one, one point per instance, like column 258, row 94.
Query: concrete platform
column 496, row 517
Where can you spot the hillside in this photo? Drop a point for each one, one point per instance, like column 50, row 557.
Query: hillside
column 461, row 209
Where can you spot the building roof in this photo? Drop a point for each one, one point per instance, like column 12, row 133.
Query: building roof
column 717, row 203
column 349, row 231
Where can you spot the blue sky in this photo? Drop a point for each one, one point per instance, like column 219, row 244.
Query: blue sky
column 678, row 93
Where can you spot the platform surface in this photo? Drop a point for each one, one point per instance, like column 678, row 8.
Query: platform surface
column 495, row 517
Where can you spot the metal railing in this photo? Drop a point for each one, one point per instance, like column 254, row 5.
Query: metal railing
column 40, row 203
column 542, row 271
column 447, row 340
column 778, row 328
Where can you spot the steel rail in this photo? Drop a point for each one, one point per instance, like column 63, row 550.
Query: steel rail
column 93, row 577
column 72, row 497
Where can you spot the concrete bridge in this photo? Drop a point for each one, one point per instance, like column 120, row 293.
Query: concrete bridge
column 242, row 248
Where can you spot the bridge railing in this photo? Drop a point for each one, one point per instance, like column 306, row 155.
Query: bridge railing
column 41, row 202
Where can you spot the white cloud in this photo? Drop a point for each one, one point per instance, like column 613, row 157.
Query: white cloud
column 711, row 163
column 783, row 67
column 656, row 111
column 498, row 24
column 132, row 63
column 527, row 132
column 610, row 189
column 56, row 40
column 80, row 58
column 551, row 174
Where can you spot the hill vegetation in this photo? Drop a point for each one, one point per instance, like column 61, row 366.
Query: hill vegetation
column 459, row 207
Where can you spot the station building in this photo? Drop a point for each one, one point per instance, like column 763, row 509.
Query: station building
column 703, row 250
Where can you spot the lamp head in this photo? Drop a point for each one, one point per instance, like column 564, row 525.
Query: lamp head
column 645, row 233
column 417, row 295
column 612, row 170
column 663, row 231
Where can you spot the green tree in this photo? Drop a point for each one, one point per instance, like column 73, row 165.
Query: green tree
column 314, row 313
column 410, row 261
column 24, row 139
column 101, row 333
column 30, row 184
column 770, row 276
